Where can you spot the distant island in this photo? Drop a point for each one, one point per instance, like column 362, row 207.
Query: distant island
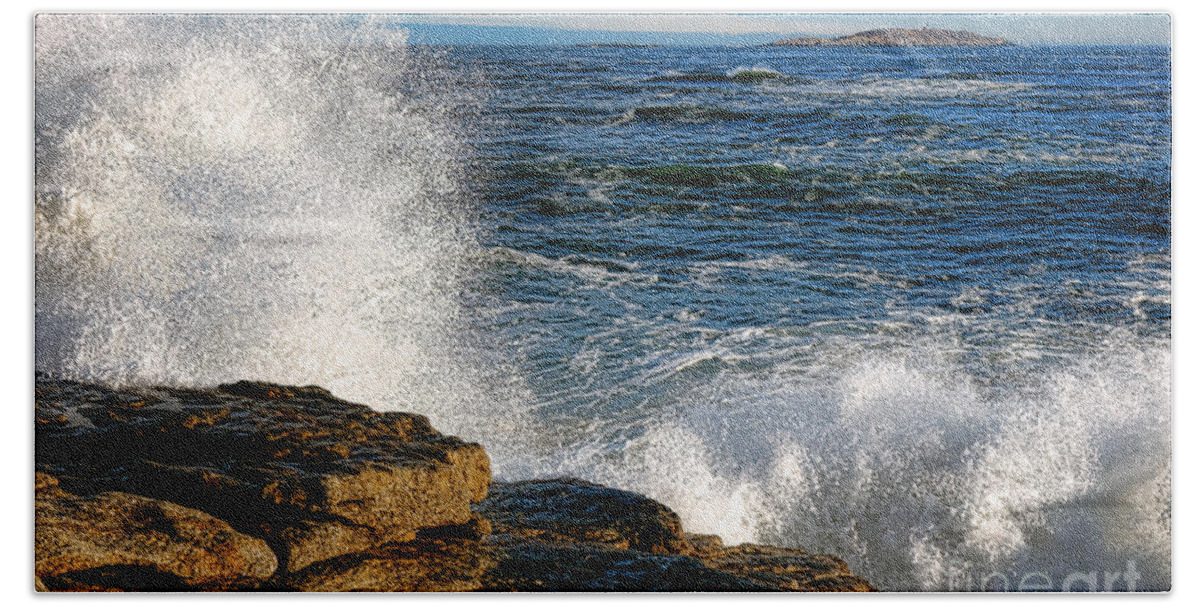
column 617, row 45
column 900, row 37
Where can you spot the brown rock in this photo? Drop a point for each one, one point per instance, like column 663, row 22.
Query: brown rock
column 120, row 541
column 705, row 545
column 420, row 565
column 787, row 569
column 314, row 475
column 347, row 499
column 43, row 483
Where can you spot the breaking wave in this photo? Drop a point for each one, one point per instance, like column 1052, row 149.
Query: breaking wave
column 922, row 479
column 249, row 197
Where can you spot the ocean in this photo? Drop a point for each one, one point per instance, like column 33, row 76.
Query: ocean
column 909, row 306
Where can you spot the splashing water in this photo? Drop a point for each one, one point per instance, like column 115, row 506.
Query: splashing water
column 917, row 478
column 221, row 198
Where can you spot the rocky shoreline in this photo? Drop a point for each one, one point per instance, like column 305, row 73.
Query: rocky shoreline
column 263, row 487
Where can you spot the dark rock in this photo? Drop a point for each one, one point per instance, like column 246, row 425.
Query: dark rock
column 786, row 569
column 478, row 528
column 540, row 566
column 120, row 541
column 572, row 535
column 267, row 390
column 120, row 578
column 577, row 511
column 314, row 475
column 705, row 545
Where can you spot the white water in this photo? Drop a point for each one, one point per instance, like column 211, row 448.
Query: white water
column 918, row 478
column 250, row 198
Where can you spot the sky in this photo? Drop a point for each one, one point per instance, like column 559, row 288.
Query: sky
column 758, row 28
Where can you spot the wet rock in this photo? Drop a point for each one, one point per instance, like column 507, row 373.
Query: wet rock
column 314, row 475
column 541, row 566
column 115, row 540
column 572, row 535
column 786, row 569
column 573, row 510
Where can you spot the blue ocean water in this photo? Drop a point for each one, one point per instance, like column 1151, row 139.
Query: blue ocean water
column 778, row 253
column 673, row 199
column 910, row 306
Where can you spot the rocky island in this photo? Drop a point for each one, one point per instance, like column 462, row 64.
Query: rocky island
column 617, row 45
column 900, row 37
column 264, row 487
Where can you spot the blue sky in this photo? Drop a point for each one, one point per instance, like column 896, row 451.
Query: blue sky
column 746, row 28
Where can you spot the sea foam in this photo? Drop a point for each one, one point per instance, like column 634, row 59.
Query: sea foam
column 918, row 476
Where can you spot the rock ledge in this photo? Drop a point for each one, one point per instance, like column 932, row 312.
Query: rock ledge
column 257, row 486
